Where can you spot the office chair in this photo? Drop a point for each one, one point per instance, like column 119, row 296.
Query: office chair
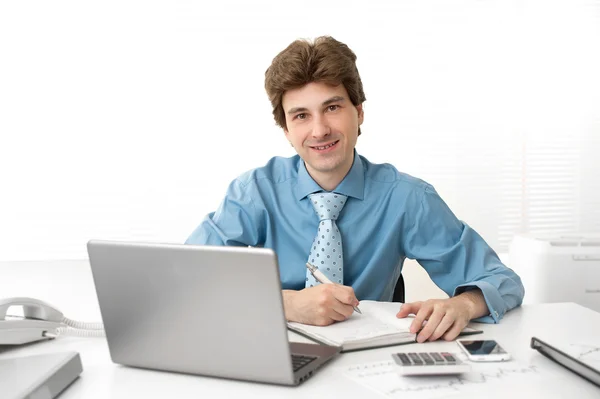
column 399, row 290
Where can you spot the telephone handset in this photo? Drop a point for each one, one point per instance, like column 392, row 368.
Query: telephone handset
column 40, row 321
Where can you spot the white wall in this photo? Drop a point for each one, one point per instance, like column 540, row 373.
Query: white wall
column 128, row 119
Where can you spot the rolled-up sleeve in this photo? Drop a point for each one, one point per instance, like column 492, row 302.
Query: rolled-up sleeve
column 456, row 257
column 234, row 223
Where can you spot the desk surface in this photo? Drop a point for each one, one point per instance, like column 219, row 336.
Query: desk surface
column 69, row 286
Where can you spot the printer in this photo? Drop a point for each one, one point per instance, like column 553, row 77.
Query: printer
column 558, row 269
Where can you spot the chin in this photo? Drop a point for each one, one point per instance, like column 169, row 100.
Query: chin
column 325, row 167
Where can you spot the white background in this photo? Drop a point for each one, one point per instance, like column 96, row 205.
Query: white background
column 128, row 119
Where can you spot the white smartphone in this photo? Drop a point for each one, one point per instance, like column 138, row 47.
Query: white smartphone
column 483, row 350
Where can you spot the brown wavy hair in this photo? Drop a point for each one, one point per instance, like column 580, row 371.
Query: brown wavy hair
column 323, row 60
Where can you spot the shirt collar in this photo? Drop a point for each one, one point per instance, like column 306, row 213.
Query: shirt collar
column 352, row 186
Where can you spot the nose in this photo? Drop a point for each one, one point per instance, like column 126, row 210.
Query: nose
column 320, row 127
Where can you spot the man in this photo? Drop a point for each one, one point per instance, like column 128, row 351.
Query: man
column 367, row 217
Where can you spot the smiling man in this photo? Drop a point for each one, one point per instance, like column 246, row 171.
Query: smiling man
column 322, row 125
column 354, row 220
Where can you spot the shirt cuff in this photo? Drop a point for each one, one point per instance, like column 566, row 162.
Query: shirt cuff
column 493, row 300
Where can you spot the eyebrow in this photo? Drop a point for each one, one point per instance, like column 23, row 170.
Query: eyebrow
column 325, row 103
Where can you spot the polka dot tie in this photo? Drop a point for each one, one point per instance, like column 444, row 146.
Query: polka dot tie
column 326, row 251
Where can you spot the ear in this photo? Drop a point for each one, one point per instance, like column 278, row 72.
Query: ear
column 361, row 114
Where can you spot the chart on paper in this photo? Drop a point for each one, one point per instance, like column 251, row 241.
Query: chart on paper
column 383, row 378
column 586, row 353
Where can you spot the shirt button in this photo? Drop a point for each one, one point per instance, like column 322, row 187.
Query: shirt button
column 496, row 313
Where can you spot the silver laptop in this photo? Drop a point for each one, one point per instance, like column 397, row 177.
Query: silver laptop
column 205, row 310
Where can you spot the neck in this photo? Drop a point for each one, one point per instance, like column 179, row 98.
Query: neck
column 328, row 181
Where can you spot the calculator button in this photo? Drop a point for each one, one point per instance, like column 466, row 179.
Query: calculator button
column 404, row 359
column 449, row 358
column 437, row 357
column 415, row 358
column 426, row 358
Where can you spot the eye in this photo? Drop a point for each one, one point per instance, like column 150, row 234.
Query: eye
column 300, row 116
column 332, row 108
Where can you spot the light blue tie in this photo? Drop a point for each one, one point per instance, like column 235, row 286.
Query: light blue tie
column 326, row 251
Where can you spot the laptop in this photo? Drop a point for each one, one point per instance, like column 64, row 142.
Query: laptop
column 206, row 310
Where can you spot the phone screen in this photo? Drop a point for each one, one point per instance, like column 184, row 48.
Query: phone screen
column 482, row 347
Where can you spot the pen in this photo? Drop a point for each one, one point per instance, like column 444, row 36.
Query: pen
column 321, row 278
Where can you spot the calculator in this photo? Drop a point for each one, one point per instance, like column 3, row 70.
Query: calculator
column 429, row 363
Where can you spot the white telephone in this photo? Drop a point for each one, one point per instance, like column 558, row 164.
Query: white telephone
column 40, row 321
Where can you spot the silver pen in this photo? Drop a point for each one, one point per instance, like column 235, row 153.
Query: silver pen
column 321, row 278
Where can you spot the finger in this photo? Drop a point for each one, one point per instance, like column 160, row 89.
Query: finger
column 408, row 308
column 432, row 323
column 342, row 306
column 345, row 295
column 453, row 332
column 333, row 315
column 324, row 315
column 343, row 310
column 441, row 329
column 331, row 306
column 422, row 315
column 339, row 311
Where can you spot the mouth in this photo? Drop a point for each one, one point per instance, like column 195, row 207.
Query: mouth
column 326, row 147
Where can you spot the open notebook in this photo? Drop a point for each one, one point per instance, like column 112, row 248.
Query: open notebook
column 377, row 326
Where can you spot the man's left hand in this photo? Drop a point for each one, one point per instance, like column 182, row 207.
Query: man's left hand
column 445, row 317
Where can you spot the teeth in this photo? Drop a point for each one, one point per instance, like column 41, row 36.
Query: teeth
column 325, row 147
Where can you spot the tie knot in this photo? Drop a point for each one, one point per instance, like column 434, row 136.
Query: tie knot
column 327, row 205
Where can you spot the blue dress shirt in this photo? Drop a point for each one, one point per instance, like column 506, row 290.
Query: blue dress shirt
column 389, row 216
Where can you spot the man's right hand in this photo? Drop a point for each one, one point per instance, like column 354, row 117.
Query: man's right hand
column 321, row 305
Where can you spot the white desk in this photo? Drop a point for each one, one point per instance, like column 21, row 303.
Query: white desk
column 69, row 286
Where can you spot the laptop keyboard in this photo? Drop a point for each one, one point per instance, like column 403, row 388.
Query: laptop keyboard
column 299, row 361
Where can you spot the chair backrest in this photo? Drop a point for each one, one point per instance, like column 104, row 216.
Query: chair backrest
column 399, row 290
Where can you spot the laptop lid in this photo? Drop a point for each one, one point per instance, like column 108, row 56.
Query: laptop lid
column 204, row 310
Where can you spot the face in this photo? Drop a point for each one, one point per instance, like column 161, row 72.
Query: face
column 322, row 125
